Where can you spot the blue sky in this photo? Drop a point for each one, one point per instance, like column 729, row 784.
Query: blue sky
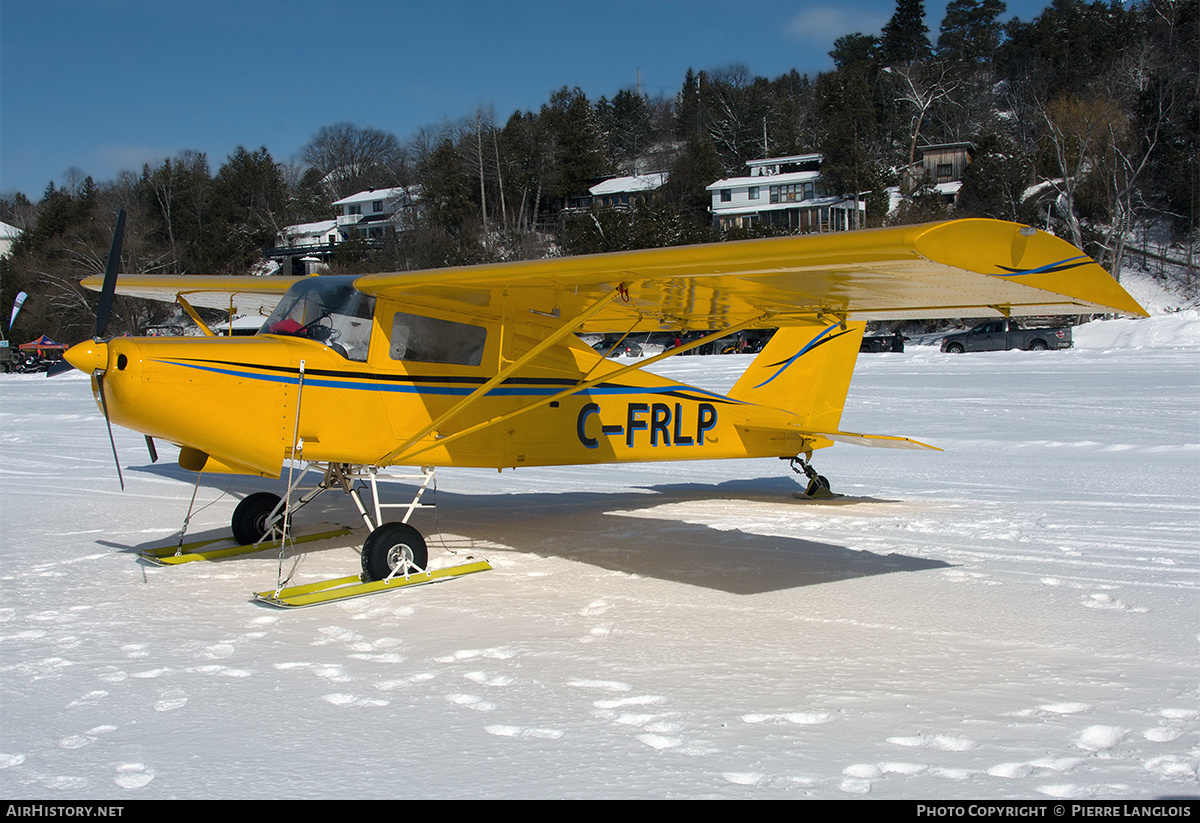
column 107, row 85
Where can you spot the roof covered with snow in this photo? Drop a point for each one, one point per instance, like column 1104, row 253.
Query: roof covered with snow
column 320, row 227
column 371, row 195
column 629, row 183
column 766, row 180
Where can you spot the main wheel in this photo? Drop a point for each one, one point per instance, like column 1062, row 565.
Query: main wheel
column 393, row 547
column 250, row 517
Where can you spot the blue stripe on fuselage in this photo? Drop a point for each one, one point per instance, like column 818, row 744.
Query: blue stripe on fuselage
column 310, row 379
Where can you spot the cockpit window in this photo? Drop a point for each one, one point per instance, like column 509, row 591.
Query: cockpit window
column 429, row 340
column 326, row 309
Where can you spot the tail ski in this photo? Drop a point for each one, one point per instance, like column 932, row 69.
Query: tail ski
column 806, row 370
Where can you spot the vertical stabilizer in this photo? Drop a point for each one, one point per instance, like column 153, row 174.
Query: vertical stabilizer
column 805, row 370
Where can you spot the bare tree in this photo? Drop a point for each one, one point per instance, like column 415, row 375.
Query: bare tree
column 922, row 86
column 1075, row 129
column 352, row 159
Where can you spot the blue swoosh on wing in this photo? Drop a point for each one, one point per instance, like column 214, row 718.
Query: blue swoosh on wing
column 1058, row 265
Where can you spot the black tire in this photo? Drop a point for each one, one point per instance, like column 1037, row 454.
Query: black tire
column 250, row 517
column 1038, row 345
column 817, row 485
column 954, row 348
column 387, row 545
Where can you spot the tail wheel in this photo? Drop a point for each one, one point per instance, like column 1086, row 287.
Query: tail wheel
column 818, row 487
column 393, row 548
column 250, row 517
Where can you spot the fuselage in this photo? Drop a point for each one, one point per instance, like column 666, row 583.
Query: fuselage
column 246, row 404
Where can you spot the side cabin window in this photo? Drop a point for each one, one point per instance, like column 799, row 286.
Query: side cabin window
column 429, row 340
column 328, row 310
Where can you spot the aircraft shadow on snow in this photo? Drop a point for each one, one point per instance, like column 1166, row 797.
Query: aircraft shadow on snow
column 604, row 530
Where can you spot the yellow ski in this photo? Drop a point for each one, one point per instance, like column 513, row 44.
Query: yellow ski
column 174, row 555
column 344, row 588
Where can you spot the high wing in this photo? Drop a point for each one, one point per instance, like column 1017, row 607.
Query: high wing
column 245, row 295
column 959, row 268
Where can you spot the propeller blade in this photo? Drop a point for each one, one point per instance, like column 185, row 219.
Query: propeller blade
column 99, row 375
column 153, row 451
column 109, row 289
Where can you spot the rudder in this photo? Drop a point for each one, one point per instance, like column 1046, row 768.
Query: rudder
column 805, row 370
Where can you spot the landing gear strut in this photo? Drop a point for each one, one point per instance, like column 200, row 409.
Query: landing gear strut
column 392, row 548
column 818, row 486
column 394, row 555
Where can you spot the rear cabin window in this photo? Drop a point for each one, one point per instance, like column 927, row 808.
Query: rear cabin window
column 429, row 340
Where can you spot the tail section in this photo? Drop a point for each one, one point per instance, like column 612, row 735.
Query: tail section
column 805, row 370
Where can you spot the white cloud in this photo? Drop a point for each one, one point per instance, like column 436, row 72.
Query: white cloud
column 129, row 156
column 824, row 24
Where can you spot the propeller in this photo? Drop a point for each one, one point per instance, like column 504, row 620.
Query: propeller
column 99, row 375
column 107, row 292
column 94, row 355
column 109, row 289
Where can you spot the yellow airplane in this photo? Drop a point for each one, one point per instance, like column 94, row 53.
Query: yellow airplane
column 482, row 366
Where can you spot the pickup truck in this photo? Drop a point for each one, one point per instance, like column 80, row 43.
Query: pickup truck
column 1004, row 335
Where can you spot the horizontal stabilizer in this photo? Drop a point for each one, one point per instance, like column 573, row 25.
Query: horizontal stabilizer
column 877, row 441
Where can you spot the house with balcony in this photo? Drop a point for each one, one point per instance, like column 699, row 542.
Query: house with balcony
column 365, row 217
column 371, row 213
column 786, row 192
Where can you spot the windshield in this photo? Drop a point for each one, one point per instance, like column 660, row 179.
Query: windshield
column 326, row 309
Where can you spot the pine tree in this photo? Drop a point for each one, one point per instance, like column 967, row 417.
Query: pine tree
column 689, row 119
column 247, row 206
column 579, row 156
column 970, row 32
column 905, row 37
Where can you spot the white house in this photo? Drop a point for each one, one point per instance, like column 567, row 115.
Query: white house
column 369, row 213
column 309, row 236
column 785, row 192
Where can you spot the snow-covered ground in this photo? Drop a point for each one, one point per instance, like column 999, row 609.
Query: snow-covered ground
column 1015, row 617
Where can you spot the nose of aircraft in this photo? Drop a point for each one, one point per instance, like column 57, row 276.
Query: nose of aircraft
column 88, row 356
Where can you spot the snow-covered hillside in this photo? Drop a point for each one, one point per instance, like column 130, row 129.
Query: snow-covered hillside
column 1014, row 617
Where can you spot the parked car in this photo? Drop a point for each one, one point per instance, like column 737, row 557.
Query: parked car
column 883, row 342
column 1004, row 335
column 627, row 349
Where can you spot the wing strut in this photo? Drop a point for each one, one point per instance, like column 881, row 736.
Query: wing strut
column 578, row 387
column 564, row 330
column 192, row 313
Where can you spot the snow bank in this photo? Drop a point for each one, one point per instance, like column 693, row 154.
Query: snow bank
column 1167, row 331
column 1158, row 295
